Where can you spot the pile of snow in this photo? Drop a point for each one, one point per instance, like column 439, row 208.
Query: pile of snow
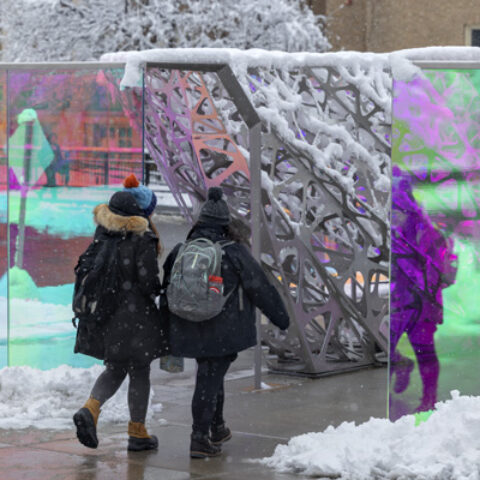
column 35, row 312
column 49, row 210
column 447, row 446
column 48, row 399
column 34, row 319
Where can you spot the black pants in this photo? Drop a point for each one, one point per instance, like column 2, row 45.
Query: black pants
column 50, row 173
column 209, row 395
column 138, row 390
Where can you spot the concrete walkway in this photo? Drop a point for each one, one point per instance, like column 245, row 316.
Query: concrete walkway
column 259, row 420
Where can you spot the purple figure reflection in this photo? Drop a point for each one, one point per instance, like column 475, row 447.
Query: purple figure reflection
column 423, row 264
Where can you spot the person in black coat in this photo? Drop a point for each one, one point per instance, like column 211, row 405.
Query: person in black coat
column 215, row 343
column 133, row 336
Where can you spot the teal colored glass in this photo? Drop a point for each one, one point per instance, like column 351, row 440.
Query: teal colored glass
column 435, row 265
column 72, row 139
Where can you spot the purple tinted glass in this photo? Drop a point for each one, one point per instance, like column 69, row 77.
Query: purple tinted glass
column 435, row 268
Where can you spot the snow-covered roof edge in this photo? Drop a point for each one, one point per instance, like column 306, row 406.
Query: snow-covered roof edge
column 399, row 61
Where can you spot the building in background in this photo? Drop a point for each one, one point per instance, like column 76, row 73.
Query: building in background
column 97, row 141
column 387, row 25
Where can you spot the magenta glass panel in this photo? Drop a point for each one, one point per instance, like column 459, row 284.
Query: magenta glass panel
column 70, row 144
column 435, row 264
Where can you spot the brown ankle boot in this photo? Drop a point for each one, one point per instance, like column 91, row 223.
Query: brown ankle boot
column 86, row 422
column 139, row 439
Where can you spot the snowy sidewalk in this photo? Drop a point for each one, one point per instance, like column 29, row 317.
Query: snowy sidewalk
column 166, row 204
column 354, row 447
column 260, row 421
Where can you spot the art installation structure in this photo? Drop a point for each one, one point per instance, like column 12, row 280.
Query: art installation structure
column 324, row 196
column 435, row 327
column 68, row 145
column 324, row 172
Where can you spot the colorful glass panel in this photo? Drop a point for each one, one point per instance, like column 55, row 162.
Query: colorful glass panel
column 435, row 264
column 3, row 222
column 70, row 144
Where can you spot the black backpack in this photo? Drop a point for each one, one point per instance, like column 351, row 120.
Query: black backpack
column 94, row 295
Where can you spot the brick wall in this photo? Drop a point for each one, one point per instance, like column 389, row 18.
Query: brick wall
column 386, row 25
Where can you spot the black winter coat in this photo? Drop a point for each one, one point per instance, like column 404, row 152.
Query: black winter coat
column 232, row 330
column 134, row 335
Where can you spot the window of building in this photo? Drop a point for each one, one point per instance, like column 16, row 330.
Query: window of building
column 473, row 36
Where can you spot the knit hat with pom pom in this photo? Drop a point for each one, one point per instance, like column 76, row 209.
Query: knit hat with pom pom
column 215, row 209
column 145, row 198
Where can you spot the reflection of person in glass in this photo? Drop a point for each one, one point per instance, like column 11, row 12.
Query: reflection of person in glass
column 50, row 170
column 422, row 265
column 59, row 164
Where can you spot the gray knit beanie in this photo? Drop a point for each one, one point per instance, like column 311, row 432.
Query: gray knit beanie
column 215, row 209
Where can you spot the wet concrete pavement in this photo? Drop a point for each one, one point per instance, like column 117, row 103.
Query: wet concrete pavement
column 259, row 420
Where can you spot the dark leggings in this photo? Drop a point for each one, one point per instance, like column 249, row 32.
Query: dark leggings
column 209, row 395
column 138, row 390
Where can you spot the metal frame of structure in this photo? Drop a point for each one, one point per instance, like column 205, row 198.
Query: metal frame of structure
column 161, row 141
column 313, row 237
column 195, row 117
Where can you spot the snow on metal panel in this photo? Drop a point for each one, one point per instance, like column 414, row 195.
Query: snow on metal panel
column 325, row 192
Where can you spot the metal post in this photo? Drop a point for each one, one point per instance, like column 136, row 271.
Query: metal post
column 255, row 212
column 146, row 181
column 27, row 160
column 8, row 219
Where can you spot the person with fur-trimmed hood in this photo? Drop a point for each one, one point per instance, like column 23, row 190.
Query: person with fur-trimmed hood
column 133, row 335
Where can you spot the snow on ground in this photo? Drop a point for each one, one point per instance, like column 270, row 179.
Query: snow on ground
column 49, row 210
column 446, row 447
column 38, row 312
column 35, row 320
column 48, row 399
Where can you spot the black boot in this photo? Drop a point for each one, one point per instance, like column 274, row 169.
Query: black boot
column 140, row 444
column 220, row 434
column 201, row 446
column 86, row 422
column 139, row 439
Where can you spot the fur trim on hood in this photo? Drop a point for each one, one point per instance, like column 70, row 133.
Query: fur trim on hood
column 116, row 223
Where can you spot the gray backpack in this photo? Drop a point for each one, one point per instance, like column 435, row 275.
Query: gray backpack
column 196, row 290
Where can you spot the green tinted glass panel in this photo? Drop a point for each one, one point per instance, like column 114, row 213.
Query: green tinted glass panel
column 435, row 269
column 65, row 156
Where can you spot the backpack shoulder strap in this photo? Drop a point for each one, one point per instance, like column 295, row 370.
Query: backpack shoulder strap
column 180, row 250
column 223, row 244
column 226, row 243
column 200, row 241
